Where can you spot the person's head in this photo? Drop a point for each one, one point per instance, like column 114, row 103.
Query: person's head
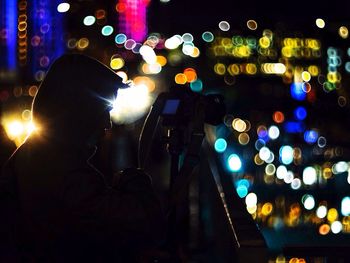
column 73, row 101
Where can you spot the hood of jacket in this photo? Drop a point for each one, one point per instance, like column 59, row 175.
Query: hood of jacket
column 73, row 97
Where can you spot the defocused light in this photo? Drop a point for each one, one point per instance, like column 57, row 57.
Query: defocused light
column 321, row 211
column 278, row 117
column 220, row 145
column 120, row 38
column 262, row 131
column 188, row 48
column 306, row 87
column 26, row 115
column 264, row 42
column 83, row 43
column 107, row 30
column 252, row 25
column 345, row 206
column 173, row 42
column 187, row 37
column 131, row 104
column 340, row 167
column 324, row 229
column 306, row 76
column 270, row 169
column 320, row 23
column 191, row 74
column 273, row 132
column 309, row 175
column 336, row 227
column 286, row 154
column 264, row 153
column 321, row 142
column 148, row 54
column 196, row 85
column 297, row 92
column 224, row 26
column 332, row 215
column 234, row 163
column 180, row 78
column 123, row 75
column 295, row 182
column 161, row 60
column 130, row 44
column 117, row 63
column 15, row 129
column 343, row 32
column 243, row 138
column 251, row 200
column 208, row 36
column 258, row 161
column 293, row 127
column 63, row 7
column 281, row 172
column 242, row 190
column 300, row 113
column 259, row 143
column 239, row 125
column 266, row 209
column 308, row 201
column 310, row 136
column 148, row 82
column 271, row 158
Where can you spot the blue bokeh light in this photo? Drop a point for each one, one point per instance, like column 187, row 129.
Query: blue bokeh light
column 220, row 145
column 297, row 92
column 300, row 113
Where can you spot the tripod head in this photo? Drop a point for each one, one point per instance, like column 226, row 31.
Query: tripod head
column 180, row 110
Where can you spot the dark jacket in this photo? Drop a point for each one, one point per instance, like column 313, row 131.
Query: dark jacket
column 66, row 212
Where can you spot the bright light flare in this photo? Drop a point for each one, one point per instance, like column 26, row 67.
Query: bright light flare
column 131, row 104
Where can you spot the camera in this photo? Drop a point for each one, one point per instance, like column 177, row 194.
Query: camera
column 180, row 109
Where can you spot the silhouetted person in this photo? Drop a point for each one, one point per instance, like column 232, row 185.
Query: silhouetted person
column 65, row 211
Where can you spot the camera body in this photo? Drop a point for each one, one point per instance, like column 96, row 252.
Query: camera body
column 181, row 106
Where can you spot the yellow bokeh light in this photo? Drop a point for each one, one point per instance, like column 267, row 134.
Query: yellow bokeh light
column 332, row 215
column 320, row 23
column 239, row 125
column 313, row 69
column 180, row 78
column 83, row 43
column 117, row 63
column 334, row 77
column 233, row 69
column 243, row 138
column 252, row 209
column 251, row 68
column 26, row 115
column 343, row 32
column 264, row 42
column 161, row 60
column 306, row 76
column 195, row 52
column 258, row 160
column 219, row 68
column 267, row 209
